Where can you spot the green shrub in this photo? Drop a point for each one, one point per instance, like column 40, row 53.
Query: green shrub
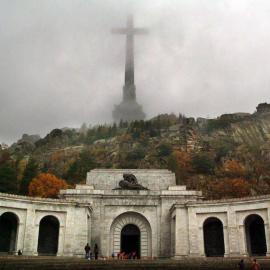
column 165, row 149
column 136, row 154
column 203, row 163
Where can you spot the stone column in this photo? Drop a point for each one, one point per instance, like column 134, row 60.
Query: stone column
column 173, row 236
column 20, row 237
column 80, row 231
column 201, row 242
column 69, row 233
column 193, row 232
column 181, row 233
column 267, row 238
column 226, row 241
column 60, row 249
column 233, row 234
column 30, row 243
column 242, row 241
column 36, row 235
column 267, row 230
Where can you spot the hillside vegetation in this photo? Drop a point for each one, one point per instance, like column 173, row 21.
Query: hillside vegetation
column 224, row 157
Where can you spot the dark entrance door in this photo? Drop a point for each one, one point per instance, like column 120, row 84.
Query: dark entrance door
column 213, row 238
column 48, row 236
column 8, row 232
column 255, row 234
column 130, row 240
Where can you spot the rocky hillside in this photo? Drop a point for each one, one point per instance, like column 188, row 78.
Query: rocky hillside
column 225, row 157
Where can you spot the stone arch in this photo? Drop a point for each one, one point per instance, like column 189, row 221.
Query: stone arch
column 9, row 224
column 143, row 225
column 20, row 216
column 213, row 236
column 48, row 236
column 255, row 235
column 55, row 215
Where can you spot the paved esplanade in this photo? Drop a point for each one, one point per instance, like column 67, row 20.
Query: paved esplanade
column 129, row 109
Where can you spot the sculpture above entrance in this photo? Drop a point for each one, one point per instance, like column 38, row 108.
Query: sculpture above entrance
column 130, row 182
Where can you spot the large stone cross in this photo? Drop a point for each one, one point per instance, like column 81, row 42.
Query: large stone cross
column 130, row 31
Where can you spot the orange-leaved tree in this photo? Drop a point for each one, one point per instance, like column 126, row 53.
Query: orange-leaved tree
column 180, row 163
column 233, row 169
column 232, row 188
column 46, row 186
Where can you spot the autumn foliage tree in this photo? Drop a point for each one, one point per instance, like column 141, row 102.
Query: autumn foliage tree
column 233, row 169
column 180, row 163
column 46, row 186
column 232, row 188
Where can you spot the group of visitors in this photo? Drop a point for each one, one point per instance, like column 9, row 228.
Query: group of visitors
column 88, row 254
column 125, row 256
column 255, row 265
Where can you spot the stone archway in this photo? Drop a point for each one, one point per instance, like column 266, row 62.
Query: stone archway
column 48, row 236
column 145, row 232
column 8, row 232
column 255, row 235
column 213, row 237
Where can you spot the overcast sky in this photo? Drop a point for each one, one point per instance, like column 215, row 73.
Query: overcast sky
column 60, row 66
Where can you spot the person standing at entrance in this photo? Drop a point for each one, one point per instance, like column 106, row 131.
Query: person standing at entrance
column 96, row 251
column 241, row 265
column 255, row 265
column 87, row 250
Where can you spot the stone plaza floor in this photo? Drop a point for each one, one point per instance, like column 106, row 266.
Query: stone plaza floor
column 59, row 263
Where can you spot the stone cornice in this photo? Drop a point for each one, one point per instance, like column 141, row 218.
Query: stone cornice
column 225, row 202
column 26, row 199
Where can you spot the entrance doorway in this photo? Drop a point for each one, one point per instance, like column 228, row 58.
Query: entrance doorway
column 48, row 236
column 213, row 238
column 130, row 240
column 8, row 232
column 255, row 235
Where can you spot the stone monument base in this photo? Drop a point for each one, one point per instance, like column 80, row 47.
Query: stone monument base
column 128, row 111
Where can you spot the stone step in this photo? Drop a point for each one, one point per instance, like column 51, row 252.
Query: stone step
column 56, row 263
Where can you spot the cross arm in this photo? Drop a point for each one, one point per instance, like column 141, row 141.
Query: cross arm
column 140, row 31
column 122, row 31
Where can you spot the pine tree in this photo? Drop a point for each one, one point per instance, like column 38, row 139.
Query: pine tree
column 82, row 164
column 30, row 172
column 8, row 178
column 121, row 124
column 114, row 129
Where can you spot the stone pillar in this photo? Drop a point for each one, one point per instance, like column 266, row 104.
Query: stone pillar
column 35, row 241
column 201, row 242
column 69, row 233
column 267, row 238
column 173, row 236
column 181, row 233
column 193, row 232
column 233, row 234
column 20, row 236
column 80, row 231
column 267, row 230
column 242, row 241
column 60, row 249
column 30, row 243
column 226, row 241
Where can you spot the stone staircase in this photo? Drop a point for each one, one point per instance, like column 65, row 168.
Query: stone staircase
column 42, row 263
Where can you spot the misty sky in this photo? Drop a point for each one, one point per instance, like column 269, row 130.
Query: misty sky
column 60, row 66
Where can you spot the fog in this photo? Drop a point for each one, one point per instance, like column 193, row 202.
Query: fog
column 60, row 65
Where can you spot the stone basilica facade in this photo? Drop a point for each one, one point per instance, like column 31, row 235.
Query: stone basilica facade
column 165, row 221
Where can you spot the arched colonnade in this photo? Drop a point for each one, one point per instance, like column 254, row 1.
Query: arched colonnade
column 254, row 236
column 11, row 227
